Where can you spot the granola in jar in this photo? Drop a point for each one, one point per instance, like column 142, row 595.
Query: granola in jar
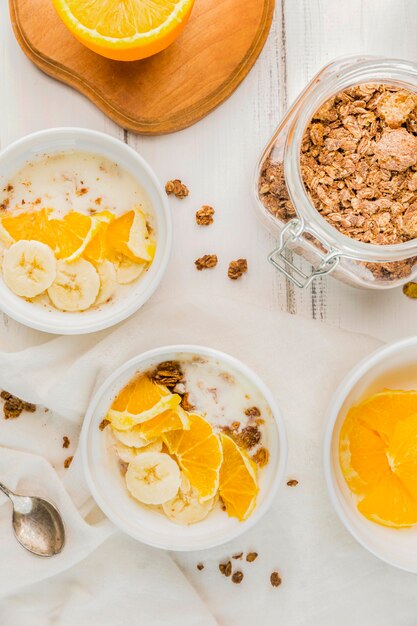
column 359, row 167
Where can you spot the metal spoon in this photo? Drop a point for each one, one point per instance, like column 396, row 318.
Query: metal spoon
column 37, row 524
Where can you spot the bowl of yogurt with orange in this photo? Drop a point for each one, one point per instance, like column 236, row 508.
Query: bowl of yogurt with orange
column 183, row 447
column 85, row 231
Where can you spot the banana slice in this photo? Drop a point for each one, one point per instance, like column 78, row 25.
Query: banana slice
column 185, row 507
column 153, row 477
column 29, row 267
column 108, row 281
column 127, row 454
column 126, row 270
column 140, row 243
column 6, row 240
column 75, row 287
column 131, row 438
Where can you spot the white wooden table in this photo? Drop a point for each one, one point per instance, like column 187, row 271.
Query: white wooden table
column 217, row 156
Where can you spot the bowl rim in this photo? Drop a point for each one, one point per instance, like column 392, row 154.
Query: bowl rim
column 228, row 359
column 78, row 327
column 331, row 416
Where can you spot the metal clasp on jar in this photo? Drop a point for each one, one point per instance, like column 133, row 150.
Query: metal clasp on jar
column 292, row 234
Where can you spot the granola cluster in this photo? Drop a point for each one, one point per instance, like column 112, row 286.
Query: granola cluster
column 359, row 166
column 177, row 188
column 13, row 406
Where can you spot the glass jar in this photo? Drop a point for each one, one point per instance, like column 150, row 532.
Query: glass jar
column 291, row 214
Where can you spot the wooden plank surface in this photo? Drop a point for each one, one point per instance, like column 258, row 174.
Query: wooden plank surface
column 217, row 156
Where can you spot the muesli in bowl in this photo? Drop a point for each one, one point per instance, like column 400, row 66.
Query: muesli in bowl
column 189, row 444
column 84, row 230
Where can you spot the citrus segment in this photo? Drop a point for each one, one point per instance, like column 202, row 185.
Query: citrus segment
column 199, row 454
column 389, row 503
column 166, row 421
column 362, row 455
column 382, row 411
column 31, row 225
column 238, row 484
column 402, row 453
column 139, row 401
column 128, row 235
column 125, row 30
column 70, row 232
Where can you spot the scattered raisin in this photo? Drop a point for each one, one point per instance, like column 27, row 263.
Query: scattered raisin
column 237, row 577
column 275, row 579
column 251, row 556
column 200, row 566
column 226, row 568
column 410, row 290
column 65, row 442
column 292, row 483
column 68, row 462
column 104, row 423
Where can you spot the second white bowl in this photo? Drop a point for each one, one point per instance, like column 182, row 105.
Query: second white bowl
column 394, row 367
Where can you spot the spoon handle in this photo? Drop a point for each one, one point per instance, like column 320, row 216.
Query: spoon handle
column 5, row 490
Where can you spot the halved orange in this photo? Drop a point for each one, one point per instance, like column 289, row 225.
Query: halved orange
column 378, row 456
column 125, row 30
column 238, row 483
column 31, row 225
column 199, row 454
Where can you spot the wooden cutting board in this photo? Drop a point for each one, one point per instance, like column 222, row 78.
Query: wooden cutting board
column 164, row 93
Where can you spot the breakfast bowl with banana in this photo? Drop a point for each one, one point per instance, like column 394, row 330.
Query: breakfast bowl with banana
column 183, row 447
column 85, row 231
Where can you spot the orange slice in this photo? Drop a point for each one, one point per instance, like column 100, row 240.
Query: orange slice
column 70, row 232
column 238, row 484
column 168, row 420
column 125, row 30
column 30, row 225
column 128, row 235
column 139, row 401
column 97, row 249
column 199, row 454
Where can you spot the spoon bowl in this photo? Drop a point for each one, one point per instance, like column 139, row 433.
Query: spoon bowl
column 37, row 524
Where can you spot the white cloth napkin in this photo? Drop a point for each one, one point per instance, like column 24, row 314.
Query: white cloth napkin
column 103, row 577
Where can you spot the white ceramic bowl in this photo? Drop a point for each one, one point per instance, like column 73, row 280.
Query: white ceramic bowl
column 51, row 320
column 107, row 485
column 394, row 367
